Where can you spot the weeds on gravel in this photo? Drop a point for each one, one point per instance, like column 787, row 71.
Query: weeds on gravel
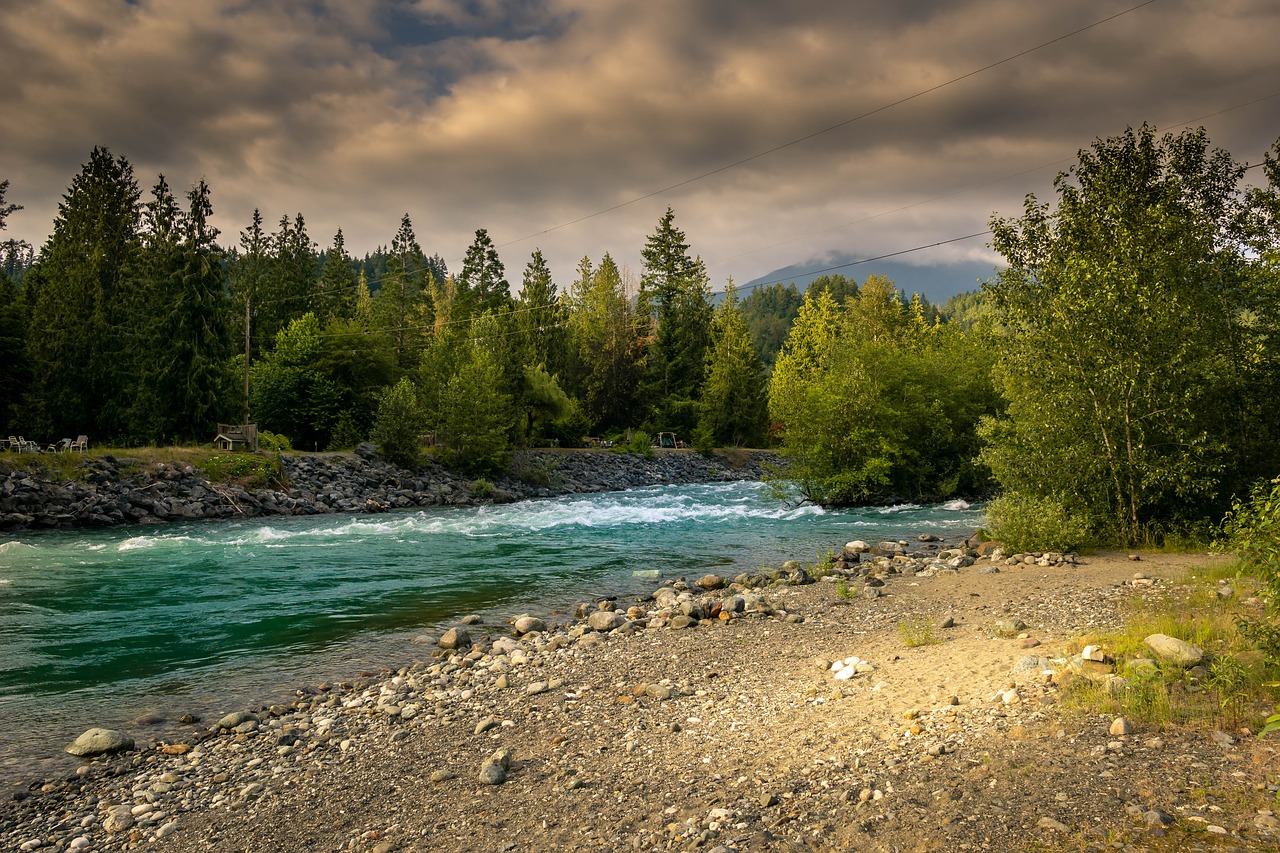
column 822, row 568
column 1234, row 686
column 918, row 632
column 844, row 590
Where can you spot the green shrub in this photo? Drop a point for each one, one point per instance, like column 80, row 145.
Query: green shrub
column 482, row 488
column 1027, row 523
column 1252, row 531
column 641, row 442
column 273, row 442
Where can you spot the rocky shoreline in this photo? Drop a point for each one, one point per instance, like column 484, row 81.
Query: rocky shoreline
column 771, row 711
column 110, row 490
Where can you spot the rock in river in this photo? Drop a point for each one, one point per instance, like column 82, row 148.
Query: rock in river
column 100, row 742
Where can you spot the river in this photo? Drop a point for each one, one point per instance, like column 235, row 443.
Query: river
column 99, row 627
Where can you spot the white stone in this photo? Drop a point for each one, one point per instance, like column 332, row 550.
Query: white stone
column 1173, row 650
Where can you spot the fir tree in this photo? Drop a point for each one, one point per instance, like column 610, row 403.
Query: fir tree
column 80, row 359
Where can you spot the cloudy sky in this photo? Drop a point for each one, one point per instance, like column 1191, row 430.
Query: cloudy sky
column 778, row 131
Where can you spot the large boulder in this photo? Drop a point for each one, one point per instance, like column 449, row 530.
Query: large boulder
column 1174, row 651
column 99, row 742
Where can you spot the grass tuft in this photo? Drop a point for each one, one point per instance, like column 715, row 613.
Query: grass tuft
column 918, row 632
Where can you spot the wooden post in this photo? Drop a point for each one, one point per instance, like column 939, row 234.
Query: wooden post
column 245, row 420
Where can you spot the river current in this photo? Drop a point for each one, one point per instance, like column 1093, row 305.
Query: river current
column 99, row 627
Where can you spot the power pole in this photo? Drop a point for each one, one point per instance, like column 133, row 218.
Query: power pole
column 246, row 361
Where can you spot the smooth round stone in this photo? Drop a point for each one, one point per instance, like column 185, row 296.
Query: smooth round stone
column 529, row 624
column 605, row 621
column 99, row 742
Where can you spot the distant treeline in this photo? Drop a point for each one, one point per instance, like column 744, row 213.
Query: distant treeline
column 1116, row 381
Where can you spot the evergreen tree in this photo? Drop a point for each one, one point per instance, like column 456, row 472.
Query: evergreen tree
column 13, row 324
column 733, row 409
column 464, row 403
column 606, row 348
column 675, row 292
column 482, row 284
column 336, row 294
column 5, row 208
column 250, row 270
column 541, row 317
column 157, row 288
column 398, row 425
column 80, row 359
column 842, row 289
column 878, row 309
column 769, row 312
column 194, row 381
column 404, row 305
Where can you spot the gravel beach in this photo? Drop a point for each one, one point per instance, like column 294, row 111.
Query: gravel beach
column 748, row 717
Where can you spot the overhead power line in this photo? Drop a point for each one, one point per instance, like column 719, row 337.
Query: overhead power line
column 845, row 123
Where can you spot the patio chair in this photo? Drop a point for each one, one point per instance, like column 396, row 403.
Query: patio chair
column 60, row 446
column 13, row 444
column 81, row 444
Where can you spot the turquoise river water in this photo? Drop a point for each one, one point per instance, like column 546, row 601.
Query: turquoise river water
column 99, row 627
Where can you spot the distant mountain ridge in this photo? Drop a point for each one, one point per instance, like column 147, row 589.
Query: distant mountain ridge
column 935, row 283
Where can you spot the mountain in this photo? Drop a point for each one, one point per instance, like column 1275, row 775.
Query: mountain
column 935, row 283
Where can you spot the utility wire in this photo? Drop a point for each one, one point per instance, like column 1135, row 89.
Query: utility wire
column 829, row 129
column 958, row 191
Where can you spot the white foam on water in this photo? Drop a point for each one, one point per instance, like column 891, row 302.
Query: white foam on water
column 15, row 547
column 955, row 506
column 140, row 543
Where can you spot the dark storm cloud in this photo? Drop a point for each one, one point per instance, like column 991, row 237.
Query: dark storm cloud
column 520, row 117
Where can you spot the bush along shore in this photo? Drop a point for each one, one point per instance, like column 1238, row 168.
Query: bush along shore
column 783, row 709
column 116, row 489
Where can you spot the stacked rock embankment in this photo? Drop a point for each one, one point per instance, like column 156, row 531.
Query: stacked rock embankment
column 106, row 490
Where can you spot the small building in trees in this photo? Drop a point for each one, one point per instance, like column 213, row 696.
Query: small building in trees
column 237, row 437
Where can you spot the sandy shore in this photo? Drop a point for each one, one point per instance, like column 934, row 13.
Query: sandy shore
column 730, row 735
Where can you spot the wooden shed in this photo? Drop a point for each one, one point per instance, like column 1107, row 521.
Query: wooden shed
column 237, row 437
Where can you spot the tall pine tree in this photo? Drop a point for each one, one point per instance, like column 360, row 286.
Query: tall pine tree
column 733, row 409
column 675, row 292
column 80, row 360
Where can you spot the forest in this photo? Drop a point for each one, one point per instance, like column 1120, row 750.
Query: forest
column 1115, row 381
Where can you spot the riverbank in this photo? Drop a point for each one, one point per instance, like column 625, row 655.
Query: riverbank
column 702, row 718
column 105, row 490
